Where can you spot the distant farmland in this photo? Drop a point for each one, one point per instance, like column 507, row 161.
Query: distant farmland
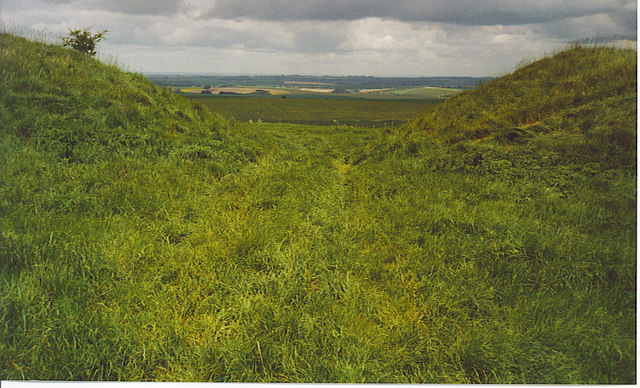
column 317, row 111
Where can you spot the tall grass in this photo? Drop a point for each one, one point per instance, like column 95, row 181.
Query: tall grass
column 41, row 36
column 578, row 104
column 145, row 238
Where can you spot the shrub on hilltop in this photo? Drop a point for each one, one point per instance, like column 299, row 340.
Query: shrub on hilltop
column 83, row 41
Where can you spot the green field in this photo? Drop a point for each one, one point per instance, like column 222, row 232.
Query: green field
column 316, row 110
column 420, row 92
column 491, row 240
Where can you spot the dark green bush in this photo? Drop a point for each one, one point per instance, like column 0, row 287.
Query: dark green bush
column 83, row 41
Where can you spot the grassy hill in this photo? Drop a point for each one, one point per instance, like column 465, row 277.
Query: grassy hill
column 94, row 161
column 82, row 110
column 145, row 238
column 577, row 105
column 526, row 188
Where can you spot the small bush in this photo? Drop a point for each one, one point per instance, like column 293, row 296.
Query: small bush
column 83, row 41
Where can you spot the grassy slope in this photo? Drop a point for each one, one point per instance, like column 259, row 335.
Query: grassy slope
column 95, row 165
column 85, row 111
column 526, row 188
column 173, row 258
column 579, row 104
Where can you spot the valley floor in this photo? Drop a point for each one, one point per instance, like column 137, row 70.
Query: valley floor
column 310, row 265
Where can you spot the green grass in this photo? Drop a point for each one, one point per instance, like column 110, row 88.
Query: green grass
column 578, row 105
column 144, row 238
column 318, row 110
column 421, row 92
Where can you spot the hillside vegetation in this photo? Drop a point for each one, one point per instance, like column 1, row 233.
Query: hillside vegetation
column 524, row 188
column 81, row 110
column 145, row 238
column 578, row 105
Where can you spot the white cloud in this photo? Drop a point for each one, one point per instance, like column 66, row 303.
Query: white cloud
column 404, row 37
column 383, row 35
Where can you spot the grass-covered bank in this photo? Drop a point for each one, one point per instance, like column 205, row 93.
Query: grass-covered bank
column 537, row 172
column 96, row 163
column 169, row 244
column 578, row 106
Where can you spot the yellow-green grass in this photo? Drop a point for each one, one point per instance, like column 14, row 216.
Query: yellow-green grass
column 145, row 238
column 578, row 104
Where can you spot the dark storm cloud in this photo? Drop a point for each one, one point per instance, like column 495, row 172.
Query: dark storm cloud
column 155, row 7
column 57, row 1
column 129, row 7
column 478, row 12
column 318, row 38
column 602, row 27
column 626, row 19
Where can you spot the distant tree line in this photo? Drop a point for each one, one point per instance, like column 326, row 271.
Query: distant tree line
column 347, row 82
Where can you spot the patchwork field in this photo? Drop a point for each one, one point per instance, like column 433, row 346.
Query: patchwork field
column 234, row 89
column 368, row 113
column 421, row 92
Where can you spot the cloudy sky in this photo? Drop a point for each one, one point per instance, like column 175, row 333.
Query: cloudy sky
column 328, row 37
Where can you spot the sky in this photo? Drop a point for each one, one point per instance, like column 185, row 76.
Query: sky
column 328, row 37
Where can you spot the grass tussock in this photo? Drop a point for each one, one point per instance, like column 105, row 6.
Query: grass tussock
column 144, row 238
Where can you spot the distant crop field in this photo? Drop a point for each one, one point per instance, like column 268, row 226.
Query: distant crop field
column 422, row 92
column 318, row 111
column 234, row 90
